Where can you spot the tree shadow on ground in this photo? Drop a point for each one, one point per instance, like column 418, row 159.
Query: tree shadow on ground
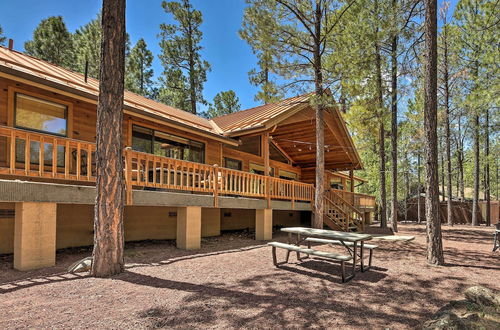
column 40, row 280
column 137, row 254
column 284, row 301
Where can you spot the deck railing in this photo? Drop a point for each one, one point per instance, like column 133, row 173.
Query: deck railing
column 360, row 201
column 146, row 170
column 22, row 152
column 25, row 153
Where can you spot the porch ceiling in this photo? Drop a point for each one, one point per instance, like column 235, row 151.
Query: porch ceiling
column 297, row 138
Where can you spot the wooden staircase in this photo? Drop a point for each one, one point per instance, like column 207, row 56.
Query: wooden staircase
column 341, row 215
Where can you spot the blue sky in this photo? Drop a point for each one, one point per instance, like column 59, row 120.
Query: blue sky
column 230, row 57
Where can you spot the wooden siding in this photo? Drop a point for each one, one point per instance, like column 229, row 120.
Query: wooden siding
column 84, row 117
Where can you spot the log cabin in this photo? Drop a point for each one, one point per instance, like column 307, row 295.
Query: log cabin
column 186, row 177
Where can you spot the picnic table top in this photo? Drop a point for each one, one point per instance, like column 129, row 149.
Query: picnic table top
column 331, row 234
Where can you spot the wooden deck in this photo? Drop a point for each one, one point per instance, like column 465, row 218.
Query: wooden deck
column 71, row 161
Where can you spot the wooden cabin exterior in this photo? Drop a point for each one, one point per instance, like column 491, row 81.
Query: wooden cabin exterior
column 186, row 177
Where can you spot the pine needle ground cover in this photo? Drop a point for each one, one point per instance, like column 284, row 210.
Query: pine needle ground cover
column 232, row 283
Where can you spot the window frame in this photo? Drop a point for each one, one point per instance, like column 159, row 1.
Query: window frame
column 11, row 108
column 233, row 159
column 153, row 130
column 238, row 148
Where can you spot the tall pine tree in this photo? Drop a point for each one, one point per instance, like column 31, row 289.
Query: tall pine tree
column 299, row 53
column 224, row 103
column 2, row 37
column 52, row 42
column 138, row 70
column 185, row 71
column 88, row 43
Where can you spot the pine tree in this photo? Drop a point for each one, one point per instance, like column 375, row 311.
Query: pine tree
column 138, row 71
column 434, row 240
column 2, row 37
column 269, row 91
column 224, row 103
column 52, row 42
column 185, row 70
column 478, row 37
column 108, row 256
column 299, row 55
column 88, row 43
column 446, row 100
column 261, row 77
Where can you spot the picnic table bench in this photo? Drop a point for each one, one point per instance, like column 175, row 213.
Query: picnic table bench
column 308, row 251
column 346, row 239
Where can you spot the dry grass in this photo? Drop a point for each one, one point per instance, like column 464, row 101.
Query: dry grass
column 232, row 283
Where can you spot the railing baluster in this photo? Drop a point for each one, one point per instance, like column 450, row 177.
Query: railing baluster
column 89, row 161
column 12, row 152
column 66, row 159
column 54, row 157
column 27, row 154
column 78, row 160
column 41, row 156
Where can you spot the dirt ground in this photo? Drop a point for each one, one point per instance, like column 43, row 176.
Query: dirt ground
column 231, row 283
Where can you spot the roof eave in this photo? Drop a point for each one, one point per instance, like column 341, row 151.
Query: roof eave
column 24, row 77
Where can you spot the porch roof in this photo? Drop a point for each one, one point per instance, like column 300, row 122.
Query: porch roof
column 292, row 127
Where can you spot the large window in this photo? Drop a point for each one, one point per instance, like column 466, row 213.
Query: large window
column 336, row 183
column 287, row 175
column 276, row 154
column 260, row 169
column 249, row 144
column 233, row 164
column 167, row 145
column 40, row 115
column 43, row 116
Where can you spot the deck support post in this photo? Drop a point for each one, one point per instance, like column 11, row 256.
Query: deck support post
column 35, row 235
column 264, row 224
column 189, row 228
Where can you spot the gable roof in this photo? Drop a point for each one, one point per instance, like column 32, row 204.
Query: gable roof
column 259, row 116
column 19, row 66
column 25, row 66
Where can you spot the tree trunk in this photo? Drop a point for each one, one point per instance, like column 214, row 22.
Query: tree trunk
column 487, row 168
column 434, row 241
column 380, row 104
column 407, row 184
column 394, row 130
column 475, row 201
column 320, row 126
column 383, row 195
column 192, row 69
column 447, row 128
column 443, row 194
column 108, row 220
column 419, row 208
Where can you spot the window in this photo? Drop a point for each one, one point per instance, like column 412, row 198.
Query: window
column 40, row 115
column 249, row 144
column 288, row 175
column 277, row 155
column 167, row 145
column 336, row 183
column 233, row 164
column 259, row 169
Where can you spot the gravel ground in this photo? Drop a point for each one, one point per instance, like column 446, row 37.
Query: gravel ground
column 232, row 283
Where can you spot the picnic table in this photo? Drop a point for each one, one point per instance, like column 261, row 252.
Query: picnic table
column 354, row 243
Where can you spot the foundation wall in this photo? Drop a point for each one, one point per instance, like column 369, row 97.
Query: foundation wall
column 75, row 223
